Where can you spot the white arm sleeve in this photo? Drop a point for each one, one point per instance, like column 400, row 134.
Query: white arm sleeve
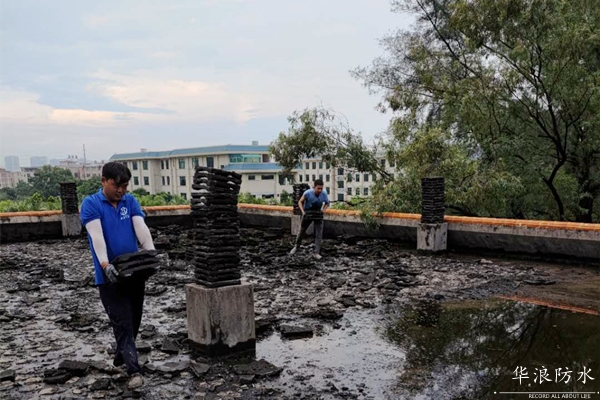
column 143, row 233
column 94, row 228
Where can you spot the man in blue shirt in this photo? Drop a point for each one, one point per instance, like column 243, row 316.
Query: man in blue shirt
column 312, row 204
column 115, row 223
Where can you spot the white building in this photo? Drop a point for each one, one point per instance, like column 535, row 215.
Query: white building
column 11, row 163
column 9, row 179
column 172, row 171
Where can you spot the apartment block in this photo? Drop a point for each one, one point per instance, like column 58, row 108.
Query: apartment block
column 10, row 179
column 172, row 171
column 341, row 183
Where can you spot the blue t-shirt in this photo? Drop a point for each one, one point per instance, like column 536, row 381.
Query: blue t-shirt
column 117, row 226
column 314, row 202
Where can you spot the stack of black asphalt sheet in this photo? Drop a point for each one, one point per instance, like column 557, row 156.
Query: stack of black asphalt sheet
column 68, row 197
column 298, row 191
column 433, row 200
column 216, row 227
column 140, row 265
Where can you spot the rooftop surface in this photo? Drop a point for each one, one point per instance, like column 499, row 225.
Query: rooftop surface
column 387, row 322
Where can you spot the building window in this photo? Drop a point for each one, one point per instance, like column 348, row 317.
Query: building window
column 314, row 165
column 145, row 165
column 251, row 177
column 366, row 178
column 340, row 171
column 374, row 176
column 267, row 177
column 210, row 162
column 181, row 163
column 349, row 191
column 300, row 177
column 167, row 164
column 182, row 181
column 163, row 181
column 357, row 177
column 349, row 177
column 327, row 166
column 196, row 161
column 162, row 164
column 328, row 189
column 134, row 165
column 357, row 191
column 340, row 196
column 306, row 165
column 327, row 178
column 340, row 184
column 321, row 176
column 314, row 177
column 168, row 180
column 307, row 178
column 391, row 163
column 281, row 180
column 146, row 181
column 136, row 180
column 383, row 162
column 320, row 164
column 366, row 191
column 125, row 163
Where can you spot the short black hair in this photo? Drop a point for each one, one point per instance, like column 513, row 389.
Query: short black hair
column 318, row 182
column 117, row 171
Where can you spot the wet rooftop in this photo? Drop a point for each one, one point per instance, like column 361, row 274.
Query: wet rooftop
column 375, row 320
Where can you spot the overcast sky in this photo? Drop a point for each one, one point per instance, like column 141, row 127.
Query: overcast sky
column 130, row 74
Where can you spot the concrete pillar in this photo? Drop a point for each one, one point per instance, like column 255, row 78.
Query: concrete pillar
column 220, row 309
column 432, row 234
column 71, row 225
column 432, row 237
column 296, row 224
column 221, row 321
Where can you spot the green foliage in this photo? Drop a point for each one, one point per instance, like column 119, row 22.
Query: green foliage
column 248, row 198
column 500, row 97
column 140, row 192
column 286, row 199
column 36, row 202
column 8, row 194
column 47, row 180
column 24, row 189
column 322, row 132
column 88, row 187
column 160, row 199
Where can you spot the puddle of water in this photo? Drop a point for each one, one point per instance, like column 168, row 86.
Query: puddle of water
column 470, row 350
column 449, row 350
column 354, row 356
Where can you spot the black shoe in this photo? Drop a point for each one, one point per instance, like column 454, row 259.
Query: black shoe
column 118, row 361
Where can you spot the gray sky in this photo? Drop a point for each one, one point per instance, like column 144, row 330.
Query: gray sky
column 130, row 74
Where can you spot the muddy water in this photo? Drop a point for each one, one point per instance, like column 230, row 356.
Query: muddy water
column 442, row 350
column 353, row 358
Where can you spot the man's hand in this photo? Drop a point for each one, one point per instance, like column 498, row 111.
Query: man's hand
column 111, row 273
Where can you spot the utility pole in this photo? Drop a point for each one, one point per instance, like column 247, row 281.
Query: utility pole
column 84, row 162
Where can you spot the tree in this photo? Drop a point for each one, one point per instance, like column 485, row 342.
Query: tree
column 513, row 86
column 24, row 189
column 88, row 187
column 47, row 180
column 8, row 194
column 286, row 199
column 141, row 192
column 322, row 132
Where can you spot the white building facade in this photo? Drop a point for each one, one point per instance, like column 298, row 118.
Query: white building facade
column 173, row 171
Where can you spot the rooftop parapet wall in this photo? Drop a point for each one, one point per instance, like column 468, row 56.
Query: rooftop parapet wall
column 520, row 236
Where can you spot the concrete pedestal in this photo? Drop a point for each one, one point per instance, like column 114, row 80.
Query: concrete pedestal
column 297, row 223
column 221, row 321
column 71, row 225
column 432, row 237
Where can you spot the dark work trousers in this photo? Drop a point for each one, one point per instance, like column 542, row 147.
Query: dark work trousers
column 304, row 225
column 124, row 303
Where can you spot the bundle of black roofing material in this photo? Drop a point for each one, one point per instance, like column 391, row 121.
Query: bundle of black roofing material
column 313, row 215
column 216, row 227
column 298, row 191
column 142, row 264
column 433, row 200
column 68, row 198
